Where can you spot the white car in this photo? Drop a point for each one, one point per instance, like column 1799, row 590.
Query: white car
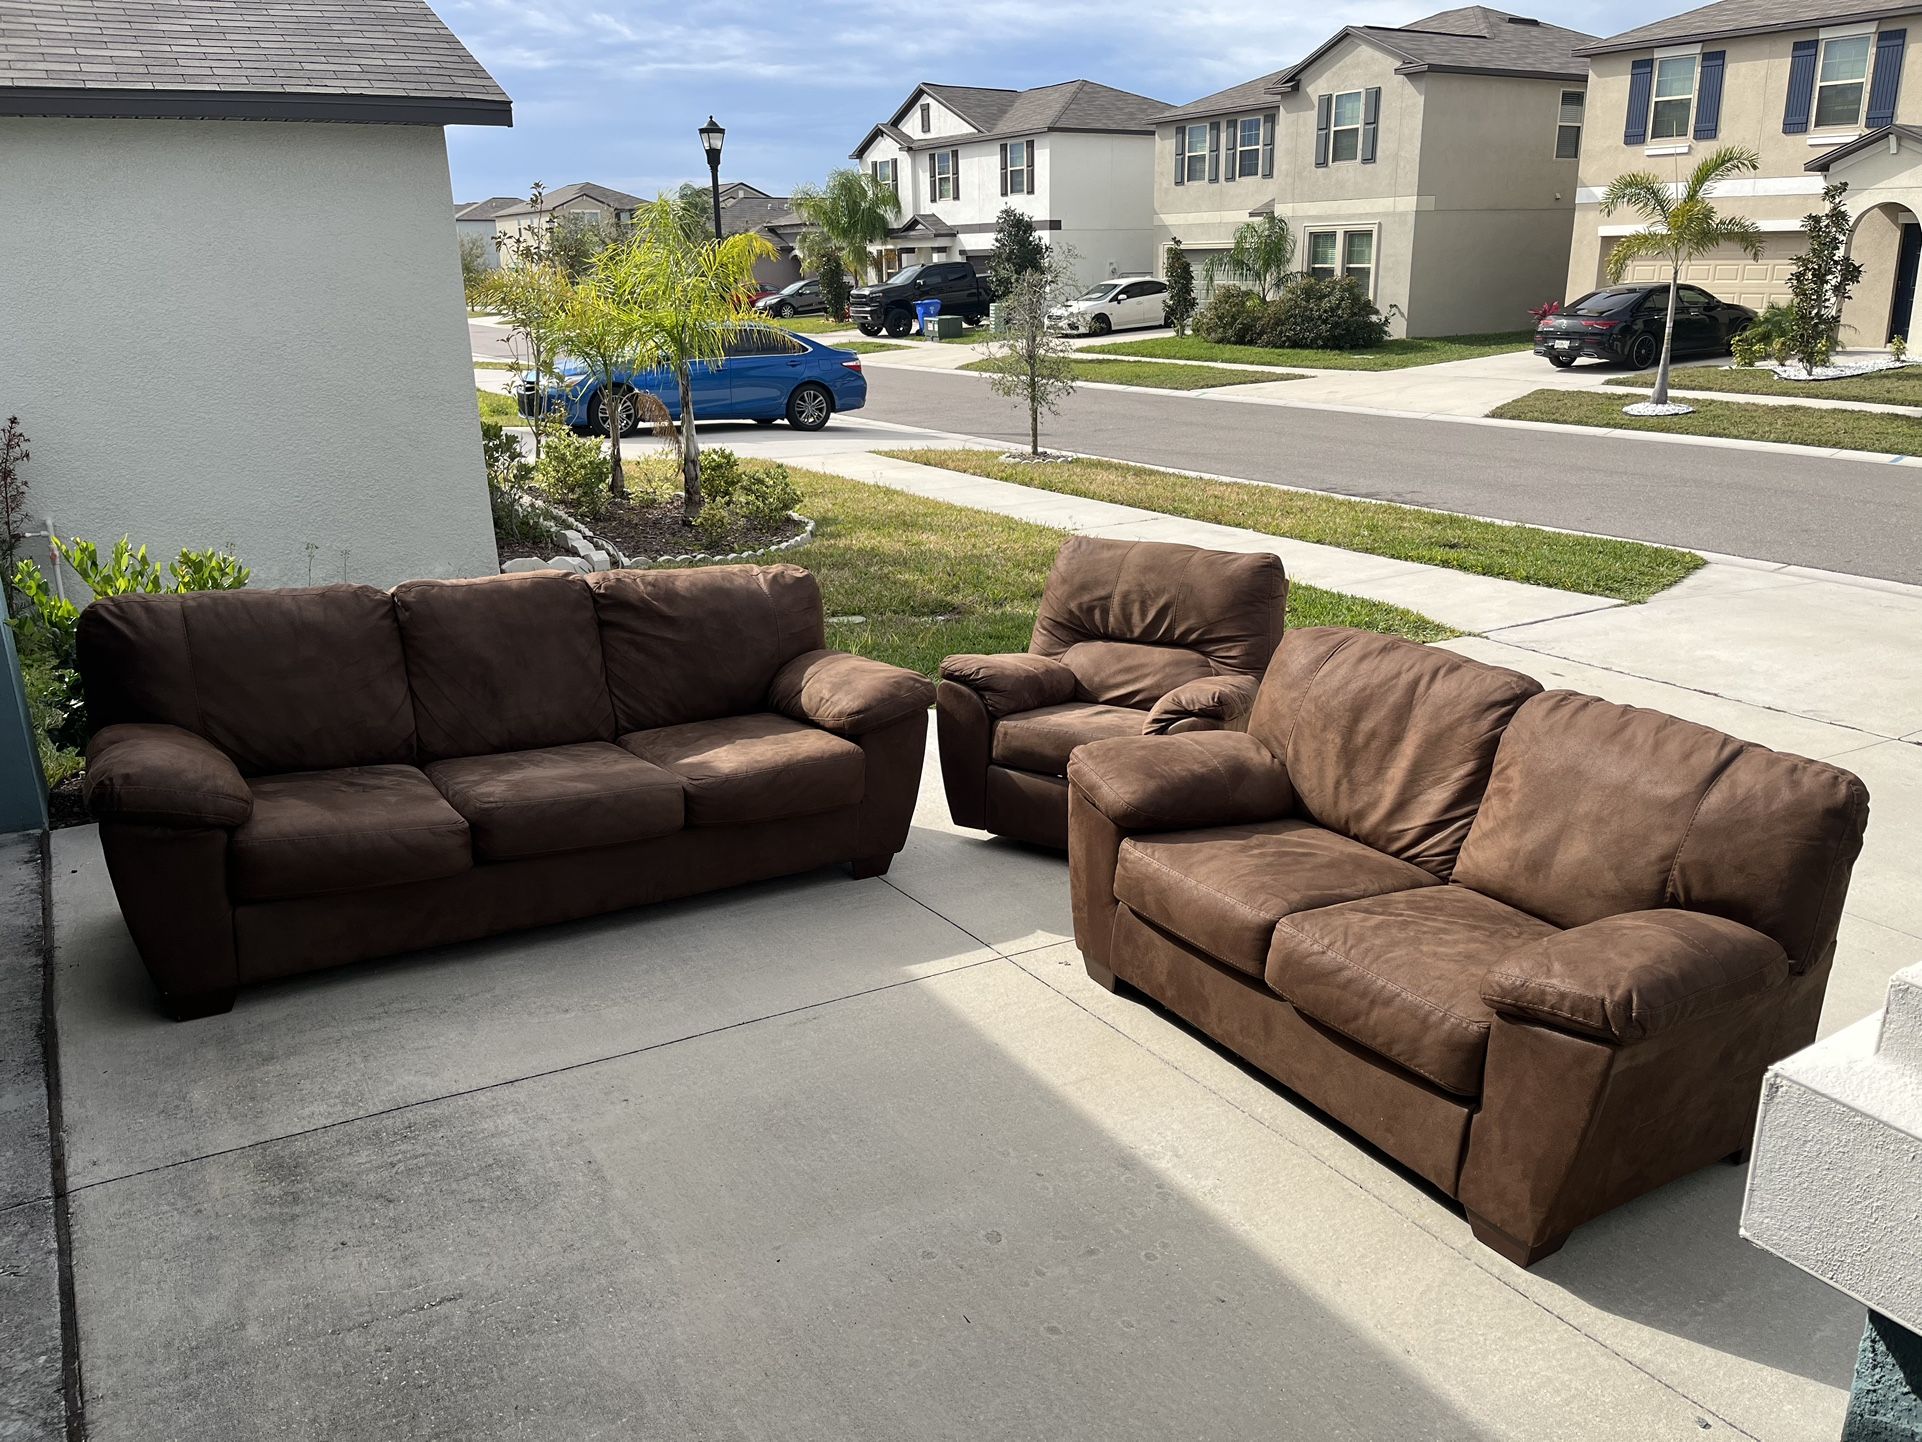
column 1126, row 302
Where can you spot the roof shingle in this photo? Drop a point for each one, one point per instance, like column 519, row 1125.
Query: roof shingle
column 1743, row 17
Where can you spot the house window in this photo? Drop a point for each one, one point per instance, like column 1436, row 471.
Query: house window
column 1674, row 97
column 1344, row 136
column 1568, row 131
column 1358, row 258
column 1194, row 154
column 1244, row 155
column 1324, row 246
column 942, row 168
column 1020, row 168
column 927, row 117
column 1841, row 80
column 888, row 172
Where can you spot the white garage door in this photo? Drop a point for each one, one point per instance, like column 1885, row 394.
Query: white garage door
column 1730, row 275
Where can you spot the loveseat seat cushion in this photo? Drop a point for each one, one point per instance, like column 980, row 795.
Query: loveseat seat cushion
column 757, row 767
column 1402, row 974
column 314, row 832
column 559, row 798
column 1222, row 890
column 1040, row 740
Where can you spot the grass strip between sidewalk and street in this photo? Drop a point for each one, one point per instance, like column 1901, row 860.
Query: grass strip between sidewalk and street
column 1388, row 356
column 869, row 347
column 1831, row 428
column 1158, row 375
column 1884, row 388
column 1593, row 565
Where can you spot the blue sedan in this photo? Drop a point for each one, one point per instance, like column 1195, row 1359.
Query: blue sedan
column 768, row 375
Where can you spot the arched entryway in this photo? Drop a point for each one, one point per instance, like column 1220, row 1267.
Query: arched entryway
column 1887, row 242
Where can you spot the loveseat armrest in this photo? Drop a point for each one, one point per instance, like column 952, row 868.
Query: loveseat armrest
column 1629, row 977
column 163, row 776
column 1011, row 682
column 847, row 694
column 1172, row 783
column 1212, row 703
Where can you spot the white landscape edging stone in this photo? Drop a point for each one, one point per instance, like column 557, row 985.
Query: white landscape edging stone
column 597, row 553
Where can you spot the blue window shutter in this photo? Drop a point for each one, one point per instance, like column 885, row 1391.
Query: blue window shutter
column 1708, row 95
column 1370, row 123
column 1889, row 46
column 1795, row 114
column 1641, row 85
column 1324, row 117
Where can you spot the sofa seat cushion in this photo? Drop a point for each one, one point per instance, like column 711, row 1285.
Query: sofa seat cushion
column 1402, row 974
column 1040, row 740
column 1223, row 889
column 313, row 832
column 561, row 798
column 758, row 767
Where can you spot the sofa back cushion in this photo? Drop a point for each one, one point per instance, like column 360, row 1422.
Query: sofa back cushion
column 699, row 644
column 1387, row 741
column 1130, row 616
column 281, row 680
column 503, row 663
column 1596, row 809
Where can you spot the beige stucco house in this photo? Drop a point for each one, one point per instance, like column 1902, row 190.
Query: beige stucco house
column 1435, row 162
column 1819, row 89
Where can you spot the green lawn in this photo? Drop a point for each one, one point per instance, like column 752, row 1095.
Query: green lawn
column 499, row 409
column 813, row 324
column 1389, row 356
column 1625, row 570
column 1162, row 375
column 1887, row 388
column 869, row 347
column 481, row 365
column 1832, row 429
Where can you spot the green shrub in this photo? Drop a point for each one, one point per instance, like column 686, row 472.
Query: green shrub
column 58, row 715
column 1321, row 313
column 712, row 526
column 1747, row 348
column 758, row 494
column 517, row 521
column 572, row 473
column 1898, row 347
column 1232, row 316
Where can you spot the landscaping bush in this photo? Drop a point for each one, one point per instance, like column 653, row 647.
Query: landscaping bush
column 1318, row 313
column 517, row 521
column 572, row 472
column 757, row 494
column 1232, row 316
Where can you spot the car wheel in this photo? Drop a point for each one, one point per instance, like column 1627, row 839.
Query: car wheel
column 809, row 407
column 1643, row 351
column 868, row 327
column 898, row 323
column 1100, row 325
column 783, row 311
column 1561, row 362
column 630, row 413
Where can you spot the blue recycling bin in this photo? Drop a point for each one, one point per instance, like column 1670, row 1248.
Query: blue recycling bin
column 925, row 311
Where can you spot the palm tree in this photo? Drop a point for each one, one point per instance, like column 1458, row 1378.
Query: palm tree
column 688, row 295
column 1679, row 223
column 1260, row 253
column 850, row 215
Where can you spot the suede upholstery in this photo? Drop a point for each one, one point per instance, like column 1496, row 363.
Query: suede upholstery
column 1132, row 638
column 1538, row 947
column 288, row 780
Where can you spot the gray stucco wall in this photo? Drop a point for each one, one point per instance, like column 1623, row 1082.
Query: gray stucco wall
column 244, row 334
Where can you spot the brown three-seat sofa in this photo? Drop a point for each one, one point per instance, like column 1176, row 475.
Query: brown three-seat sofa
column 1537, row 947
column 295, row 779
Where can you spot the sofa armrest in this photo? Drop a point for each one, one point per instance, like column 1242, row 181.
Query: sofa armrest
column 1171, row 783
column 847, row 694
column 1213, row 703
column 1628, row 977
column 1016, row 681
column 163, row 775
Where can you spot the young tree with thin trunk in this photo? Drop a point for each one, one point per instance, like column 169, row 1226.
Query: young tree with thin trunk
column 688, row 296
column 1018, row 249
column 1679, row 223
column 611, row 342
column 1260, row 255
column 850, row 215
column 1027, row 360
column 530, row 296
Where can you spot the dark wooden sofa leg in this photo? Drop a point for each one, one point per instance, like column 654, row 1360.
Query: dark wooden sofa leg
column 866, row 866
column 1101, row 975
column 193, row 1005
column 1503, row 1245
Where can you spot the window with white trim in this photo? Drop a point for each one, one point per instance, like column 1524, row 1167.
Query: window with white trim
column 1344, row 132
column 1324, row 248
column 1244, row 149
column 1568, row 128
column 1841, row 81
column 1673, row 103
column 1020, row 168
column 1358, row 259
column 888, row 172
column 942, row 165
column 1194, row 153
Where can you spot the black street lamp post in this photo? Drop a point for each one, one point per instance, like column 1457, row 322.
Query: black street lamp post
column 711, row 137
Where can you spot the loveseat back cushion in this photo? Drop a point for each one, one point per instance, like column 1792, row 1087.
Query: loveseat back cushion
column 1224, row 606
column 1127, row 673
column 699, row 644
column 1596, row 809
column 281, row 680
column 503, row 663
column 1386, row 741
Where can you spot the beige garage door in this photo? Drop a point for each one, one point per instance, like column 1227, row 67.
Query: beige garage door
column 1730, row 275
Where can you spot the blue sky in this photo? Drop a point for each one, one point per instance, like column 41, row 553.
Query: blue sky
column 614, row 92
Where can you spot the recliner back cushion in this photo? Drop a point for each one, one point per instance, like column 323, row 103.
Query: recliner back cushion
column 304, row 679
column 1122, row 673
column 1386, row 741
column 703, row 643
column 503, row 663
column 1225, row 607
column 1596, row 809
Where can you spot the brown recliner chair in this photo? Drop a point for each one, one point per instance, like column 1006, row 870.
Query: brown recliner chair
column 1537, row 947
column 1133, row 638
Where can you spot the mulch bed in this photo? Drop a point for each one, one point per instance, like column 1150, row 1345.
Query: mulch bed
column 522, row 550
column 645, row 532
column 64, row 806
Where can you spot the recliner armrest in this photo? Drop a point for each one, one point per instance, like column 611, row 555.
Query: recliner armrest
column 848, row 694
column 163, row 775
column 1015, row 681
column 1212, row 703
column 1171, row 783
column 1625, row 978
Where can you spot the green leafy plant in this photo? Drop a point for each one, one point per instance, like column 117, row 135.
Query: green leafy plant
column 1748, row 348
column 14, row 456
column 849, row 216
column 572, row 473
column 1899, row 348
column 712, row 525
column 1026, row 360
column 1781, row 351
column 1178, row 309
column 517, row 520
column 1321, row 313
column 1260, row 255
column 1822, row 280
column 835, row 286
column 760, row 494
column 1018, row 249
column 1232, row 316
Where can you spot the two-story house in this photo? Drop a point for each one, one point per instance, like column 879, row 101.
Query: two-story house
column 587, row 202
column 1434, row 162
column 1076, row 157
column 1817, row 89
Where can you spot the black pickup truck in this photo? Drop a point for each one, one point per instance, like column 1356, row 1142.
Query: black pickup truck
column 889, row 306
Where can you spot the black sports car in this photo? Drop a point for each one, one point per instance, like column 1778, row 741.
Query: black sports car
column 1624, row 323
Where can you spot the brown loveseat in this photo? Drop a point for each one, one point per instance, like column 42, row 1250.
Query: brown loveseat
column 1132, row 638
column 1537, row 947
column 288, row 780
